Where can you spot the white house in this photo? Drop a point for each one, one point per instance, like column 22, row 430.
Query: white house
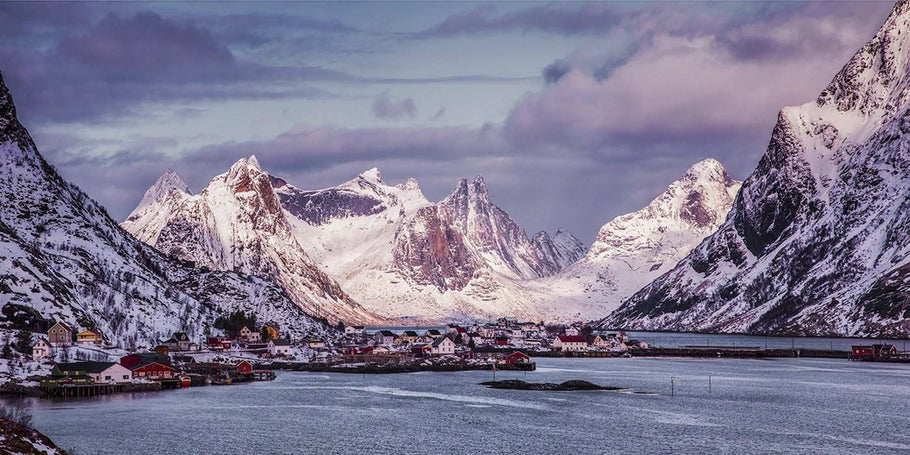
column 572, row 331
column 601, row 341
column 385, row 337
column 109, row 373
column 250, row 336
column 353, row 330
column 443, row 346
column 41, row 349
column 280, row 348
column 568, row 343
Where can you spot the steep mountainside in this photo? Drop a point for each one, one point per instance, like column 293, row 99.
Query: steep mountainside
column 818, row 241
column 237, row 223
column 63, row 258
column 558, row 251
column 633, row 249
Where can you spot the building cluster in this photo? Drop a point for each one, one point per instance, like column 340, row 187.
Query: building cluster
column 503, row 334
column 166, row 362
column 878, row 352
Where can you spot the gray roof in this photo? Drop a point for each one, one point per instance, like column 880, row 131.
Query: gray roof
column 88, row 367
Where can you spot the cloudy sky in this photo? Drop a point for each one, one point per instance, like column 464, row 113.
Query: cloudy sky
column 573, row 112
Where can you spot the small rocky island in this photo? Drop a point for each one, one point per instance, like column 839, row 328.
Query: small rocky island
column 568, row 386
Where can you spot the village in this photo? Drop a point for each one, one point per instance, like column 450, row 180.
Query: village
column 67, row 362
column 64, row 361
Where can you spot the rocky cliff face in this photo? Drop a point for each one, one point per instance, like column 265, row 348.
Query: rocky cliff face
column 559, row 251
column 237, row 223
column 63, row 258
column 818, row 241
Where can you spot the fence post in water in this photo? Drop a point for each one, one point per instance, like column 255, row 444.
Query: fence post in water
column 672, row 386
column 709, row 383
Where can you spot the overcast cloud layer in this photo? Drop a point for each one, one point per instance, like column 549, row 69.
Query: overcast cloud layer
column 573, row 112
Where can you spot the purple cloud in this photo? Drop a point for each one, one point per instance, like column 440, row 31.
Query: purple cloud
column 584, row 18
column 386, row 108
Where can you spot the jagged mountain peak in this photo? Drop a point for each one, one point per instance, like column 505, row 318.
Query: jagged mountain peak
column 168, row 185
column 371, row 175
column 876, row 75
column 410, row 184
column 692, row 206
column 10, row 128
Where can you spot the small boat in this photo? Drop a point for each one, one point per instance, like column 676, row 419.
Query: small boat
column 185, row 381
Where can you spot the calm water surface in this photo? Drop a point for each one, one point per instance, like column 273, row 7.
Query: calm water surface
column 754, row 406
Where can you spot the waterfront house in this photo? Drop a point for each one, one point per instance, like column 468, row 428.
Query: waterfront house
column 380, row 350
column 149, row 369
column 89, row 336
column 280, row 348
column 385, row 337
column 410, row 336
column 501, row 340
column 99, row 372
column 601, row 341
column 60, row 334
column 272, row 330
column 244, row 367
column 518, row 358
column 41, row 348
column 443, row 346
column 353, row 330
column 431, row 335
column 568, row 343
column 884, row 350
column 132, row 360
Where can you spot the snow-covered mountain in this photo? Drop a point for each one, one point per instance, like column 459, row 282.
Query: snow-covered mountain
column 818, row 241
column 633, row 249
column 405, row 257
column 63, row 258
column 237, row 223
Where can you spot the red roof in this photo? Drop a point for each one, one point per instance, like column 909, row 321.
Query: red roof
column 573, row 339
column 461, row 330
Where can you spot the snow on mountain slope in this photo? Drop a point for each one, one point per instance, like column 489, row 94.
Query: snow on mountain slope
column 559, row 251
column 237, row 223
column 63, row 258
column 156, row 207
column 633, row 249
column 818, row 241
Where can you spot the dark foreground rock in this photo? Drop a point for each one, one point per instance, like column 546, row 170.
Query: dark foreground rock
column 20, row 439
column 567, row 386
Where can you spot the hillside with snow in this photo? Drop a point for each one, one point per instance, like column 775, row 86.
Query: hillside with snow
column 818, row 241
column 63, row 258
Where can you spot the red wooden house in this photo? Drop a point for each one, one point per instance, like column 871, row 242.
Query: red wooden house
column 862, row 352
column 153, row 370
column 517, row 357
column 244, row 367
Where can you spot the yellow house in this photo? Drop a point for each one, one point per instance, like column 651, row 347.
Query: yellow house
column 89, row 337
column 272, row 331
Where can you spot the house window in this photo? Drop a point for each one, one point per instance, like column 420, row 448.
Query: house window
column 107, row 378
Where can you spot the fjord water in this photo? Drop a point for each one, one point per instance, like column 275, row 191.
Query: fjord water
column 753, row 406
